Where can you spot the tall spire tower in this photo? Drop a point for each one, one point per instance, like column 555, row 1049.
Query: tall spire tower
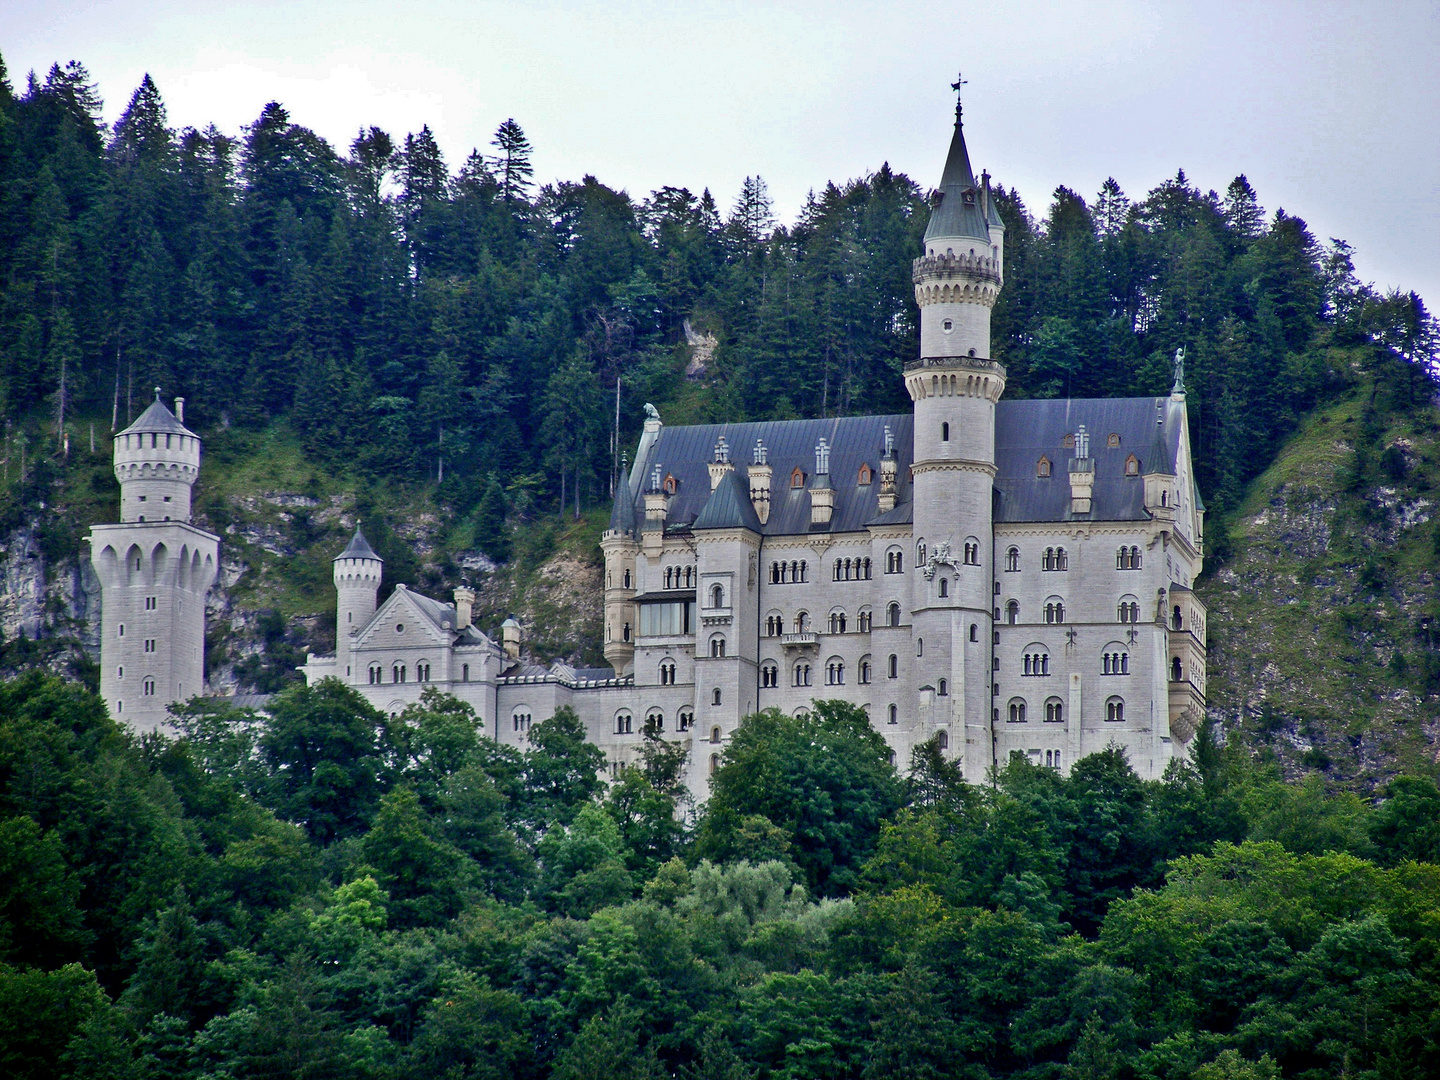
column 955, row 385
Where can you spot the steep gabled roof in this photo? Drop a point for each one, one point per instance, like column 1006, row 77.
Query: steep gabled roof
column 729, row 506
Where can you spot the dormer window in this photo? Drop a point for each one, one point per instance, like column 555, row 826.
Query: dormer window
column 1112, row 440
column 1042, row 468
column 866, row 475
column 797, row 478
column 1132, row 466
column 1068, row 442
column 670, row 485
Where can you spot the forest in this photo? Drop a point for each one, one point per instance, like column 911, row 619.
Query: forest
column 326, row 891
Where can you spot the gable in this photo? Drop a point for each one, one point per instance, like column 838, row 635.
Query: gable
column 403, row 622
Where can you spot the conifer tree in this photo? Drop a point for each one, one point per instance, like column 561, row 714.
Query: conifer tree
column 513, row 162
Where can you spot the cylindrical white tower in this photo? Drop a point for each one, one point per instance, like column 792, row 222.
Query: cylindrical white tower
column 955, row 385
column 357, row 572
column 157, row 460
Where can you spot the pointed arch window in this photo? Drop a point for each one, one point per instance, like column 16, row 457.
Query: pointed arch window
column 1042, row 467
column 797, row 477
column 1132, row 466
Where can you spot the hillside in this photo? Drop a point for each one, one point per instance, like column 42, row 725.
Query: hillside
column 1324, row 616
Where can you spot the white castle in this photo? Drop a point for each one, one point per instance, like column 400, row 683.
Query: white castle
column 1004, row 577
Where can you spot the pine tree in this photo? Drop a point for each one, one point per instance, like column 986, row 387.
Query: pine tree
column 1243, row 212
column 141, row 133
column 513, row 161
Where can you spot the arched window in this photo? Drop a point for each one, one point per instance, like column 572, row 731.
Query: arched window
column 865, row 474
column 972, row 552
column 1127, row 558
column 1012, row 612
column 942, row 740
column 625, row 632
column 1036, row 660
column 1128, row 610
column 627, row 579
column 717, row 646
column 837, row 622
column 376, row 674
column 834, row 672
column 1175, row 620
column 1115, row 660
column 1012, row 560
column 1176, row 671
column 1164, row 498
column 802, row 674
column 920, row 553
column 920, row 646
column 945, row 432
column 684, row 719
column 942, row 689
column 863, row 620
column 655, row 720
column 624, row 723
column 1054, row 610
column 776, row 573
column 1052, row 759
column 671, row 485
column 714, row 763
column 148, row 688
column 422, row 671
column 892, row 614
column 670, row 577
column 802, row 622
column 717, row 596
column 894, row 715
column 715, row 696
column 1042, row 467
column 774, row 624
column 1115, row 710
column 894, row 561
column 867, row 569
column 464, row 672
column 715, row 734
column 769, row 675
column 397, row 673
column 667, row 672
column 894, row 666
column 1132, row 466
column 520, row 719
column 864, row 671
column 974, row 631
column 1017, row 710
column 689, row 577
column 797, row 477
column 804, row 571
column 944, row 588
column 1054, row 710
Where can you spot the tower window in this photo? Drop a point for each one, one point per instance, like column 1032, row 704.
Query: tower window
column 1054, row 711
column 715, row 696
column 151, row 603
column 944, row 587
column 894, row 715
column 945, row 432
column 944, row 689
column 974, row 631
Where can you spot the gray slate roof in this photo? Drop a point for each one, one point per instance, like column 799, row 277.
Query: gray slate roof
column 1024, row 430
column 359, row 549
column 959, row 209
column 158, row 418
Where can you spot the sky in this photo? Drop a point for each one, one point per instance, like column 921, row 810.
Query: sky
column 1332, row 110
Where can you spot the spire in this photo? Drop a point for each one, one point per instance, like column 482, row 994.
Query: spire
column 955, row 207
column 359, row 548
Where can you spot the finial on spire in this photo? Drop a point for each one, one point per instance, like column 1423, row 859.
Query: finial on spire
column 157, row 393
column 959, row 87
column 1179, row 384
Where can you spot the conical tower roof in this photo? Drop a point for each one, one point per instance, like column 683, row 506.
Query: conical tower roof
column 957, row 211
column 158, row 418
column 359, row 549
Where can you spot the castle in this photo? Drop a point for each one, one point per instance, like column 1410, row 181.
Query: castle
column 1004, row 577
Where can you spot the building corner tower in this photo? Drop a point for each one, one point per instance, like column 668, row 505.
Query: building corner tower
column 357, row 571
column 155, row 569
column 955, row 385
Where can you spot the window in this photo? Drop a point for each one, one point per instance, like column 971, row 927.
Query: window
column 671, row 485
column 684, row 720
column 464, row 672
column 920, row 646
column 797, row 478
column 1132, row 466
column 1052, row 759
column 1115, row 710
column 1012, row 612
column 863, row 619
column 667, row 672
column 151, row 602
column 689, row 577
column 624, row 723
column 865, row 567
column 1037, row 661
column 1115, row 661
column 1054, row 610
column 892, row 615
column 864, row 671
column 1175, row 621
column 122, row 630
column 625, row 632
column 894, row 715
column 974, row 631
column 376, row 674
column 894, row 666
column 627, row 579
column 1054, row 559
column 1042, row 468
column 1017, row 711
column 669, row 619
column 943, row 690
column 972, row 552
column 1012, row 560
column 837, row 622
column 1164, row 498
column 399, row 627
column 715, row 734
column 1112, row 440
column 714, row 763
column 1176, row 670
column 715, row 696
column 865, row 475
column 1128, row 609
column 943, row 740
column 774, row 624
column 802, row 674
column 422, row 671
column 149, row 688
column 1054, row 710
column 944, row 588
column 654, row 720
column 520, row 719
column 150, row 645
column 1127, row 558
column 717, row 647
column 769, row 676
column 397, row 673
column 835, row 672
column 945, row 432
column 717, row 596
column 920, row 553
column 894, row 561
column 802, row 623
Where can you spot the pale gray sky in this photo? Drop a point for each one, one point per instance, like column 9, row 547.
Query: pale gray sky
column 1329, row 108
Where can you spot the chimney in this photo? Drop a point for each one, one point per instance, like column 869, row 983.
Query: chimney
column 720, row 465
column 822, row 495
column 180, row 409
column 886, row 499
column 760, row 482
column 1082, row 474
column 657, row 505
column 464, row 606
column 510, row 638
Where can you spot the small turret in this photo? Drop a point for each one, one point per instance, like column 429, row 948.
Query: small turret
column 822, row 495
column 759, row 473
column 1082, row 474
column 357, row 571
column 888, row 474
column 720, row 463
column 157, row 460
column 510, row 637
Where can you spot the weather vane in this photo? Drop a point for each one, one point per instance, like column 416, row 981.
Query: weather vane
column 960, row 81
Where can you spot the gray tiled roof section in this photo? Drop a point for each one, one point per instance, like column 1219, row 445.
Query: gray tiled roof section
column 359, row 548
column 1026, row 430
column 953, row 215
column 729, row 506
column 685, row 453
column 442, row 615
column 158, row 418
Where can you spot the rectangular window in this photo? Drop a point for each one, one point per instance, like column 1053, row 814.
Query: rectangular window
column 150, row 644
column 151, row 603
column 670, row 619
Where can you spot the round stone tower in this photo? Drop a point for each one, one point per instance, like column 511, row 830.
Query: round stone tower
column 955, row 385
column 357, row 572
column 157, row 460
